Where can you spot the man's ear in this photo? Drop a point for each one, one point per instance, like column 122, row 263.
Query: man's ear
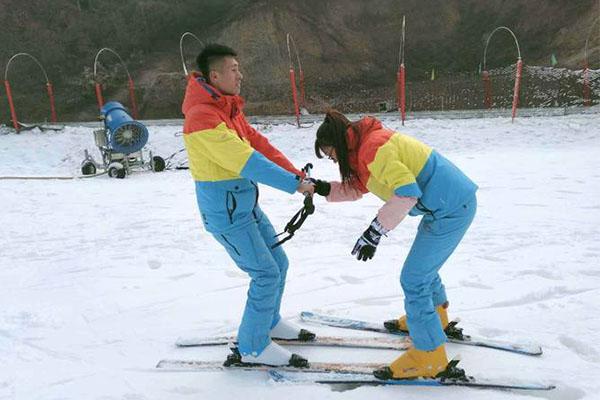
column 213, row 75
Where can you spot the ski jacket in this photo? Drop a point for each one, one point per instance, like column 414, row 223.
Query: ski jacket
column 227, row 157
column 390, row 164
column 221, row 144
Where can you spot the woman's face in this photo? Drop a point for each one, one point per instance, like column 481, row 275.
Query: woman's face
column 329, row 152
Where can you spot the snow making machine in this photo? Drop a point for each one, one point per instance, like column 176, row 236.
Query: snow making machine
column 121, row 142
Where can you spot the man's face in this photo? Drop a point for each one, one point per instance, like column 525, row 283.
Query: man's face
column 226, row 76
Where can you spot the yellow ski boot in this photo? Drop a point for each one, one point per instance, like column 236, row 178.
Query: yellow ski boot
column 416, row 364
column 400, row 324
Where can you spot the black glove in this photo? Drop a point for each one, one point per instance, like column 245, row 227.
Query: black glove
column 322, row 188
column 365, row 246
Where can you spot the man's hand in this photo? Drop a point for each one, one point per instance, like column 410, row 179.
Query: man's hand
column 306, row 186
column 322, row 188
column 365, row 246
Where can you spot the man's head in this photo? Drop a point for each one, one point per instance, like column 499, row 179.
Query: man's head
column 220, row 68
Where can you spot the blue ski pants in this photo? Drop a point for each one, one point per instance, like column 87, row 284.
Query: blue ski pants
column 250, row 248
column 423, row 289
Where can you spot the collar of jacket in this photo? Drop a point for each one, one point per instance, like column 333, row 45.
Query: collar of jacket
column 356, row 134
column 200, row 92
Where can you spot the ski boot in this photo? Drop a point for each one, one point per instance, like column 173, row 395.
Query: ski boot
column 290, row 331
column 273, row 355
column 452, row 332
column 416, row 363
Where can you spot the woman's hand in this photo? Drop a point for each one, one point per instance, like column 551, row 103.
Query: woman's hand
column 322, row 188
column 366, row 245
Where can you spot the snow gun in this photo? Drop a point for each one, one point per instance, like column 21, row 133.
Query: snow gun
column 120, row 142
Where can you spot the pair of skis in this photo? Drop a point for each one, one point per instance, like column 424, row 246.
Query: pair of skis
column 359, row 373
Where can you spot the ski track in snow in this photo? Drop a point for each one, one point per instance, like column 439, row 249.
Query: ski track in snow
column 100, row 276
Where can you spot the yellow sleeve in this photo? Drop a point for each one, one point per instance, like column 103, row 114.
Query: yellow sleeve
column 387, row 169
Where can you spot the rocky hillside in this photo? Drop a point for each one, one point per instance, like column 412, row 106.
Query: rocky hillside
column 348, row 48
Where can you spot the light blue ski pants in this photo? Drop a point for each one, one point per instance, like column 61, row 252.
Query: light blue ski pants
column 423, row 289
column 250, row 248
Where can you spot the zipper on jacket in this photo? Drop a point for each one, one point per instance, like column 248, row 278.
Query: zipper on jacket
column 230, row 210
column 255, row 200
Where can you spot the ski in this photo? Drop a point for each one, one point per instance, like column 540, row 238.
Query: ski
column 329, row 320
column 343, row 373
column 361, row 379
column 213, row 366
column 386, row 343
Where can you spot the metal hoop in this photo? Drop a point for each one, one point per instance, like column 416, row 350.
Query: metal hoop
column 116, row 54
column 30, row 56
column 181, row 49
column 488, row 42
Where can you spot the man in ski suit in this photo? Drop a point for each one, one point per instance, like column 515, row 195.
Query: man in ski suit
column 227, row 158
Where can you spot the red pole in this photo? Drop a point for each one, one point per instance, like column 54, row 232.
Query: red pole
column 295, row 95
column 99, row 96
column 132, row 98
column 586, row 86
column 11, row 104
column 51, row 97
column 517, row 87
column 487, row 87
column 302, row 99
column 401, row 91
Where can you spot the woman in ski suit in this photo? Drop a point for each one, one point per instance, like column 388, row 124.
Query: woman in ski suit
column 411, row 178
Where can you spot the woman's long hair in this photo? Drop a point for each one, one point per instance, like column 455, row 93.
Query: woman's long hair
column 332, row 133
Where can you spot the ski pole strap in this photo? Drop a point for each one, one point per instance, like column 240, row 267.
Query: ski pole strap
column 296, row 221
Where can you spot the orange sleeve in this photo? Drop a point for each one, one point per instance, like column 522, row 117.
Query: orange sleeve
column 262, row 145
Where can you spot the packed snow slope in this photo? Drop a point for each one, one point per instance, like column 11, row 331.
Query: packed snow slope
column 100, row 276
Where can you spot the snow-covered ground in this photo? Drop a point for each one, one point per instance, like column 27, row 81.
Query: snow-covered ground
column 100, row 276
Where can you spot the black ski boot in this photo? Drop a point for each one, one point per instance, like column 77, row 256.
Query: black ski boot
column 452, row 372
column 452, row 331
column 392, row 326
column 235, row 360
column 384, row 373
column 306, row 336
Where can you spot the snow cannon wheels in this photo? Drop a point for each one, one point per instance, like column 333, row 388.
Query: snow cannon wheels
column 157, row 164
column 116, row 170
column 88, row 168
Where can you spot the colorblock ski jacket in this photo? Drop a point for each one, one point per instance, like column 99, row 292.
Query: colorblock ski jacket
column 227, row 156
column 222, row 145
column 389, row 165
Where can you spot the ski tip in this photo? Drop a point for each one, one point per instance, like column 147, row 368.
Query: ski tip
column 527, row 350
column 181, row 342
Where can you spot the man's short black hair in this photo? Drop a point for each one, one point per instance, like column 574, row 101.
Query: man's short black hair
column 210, row 54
